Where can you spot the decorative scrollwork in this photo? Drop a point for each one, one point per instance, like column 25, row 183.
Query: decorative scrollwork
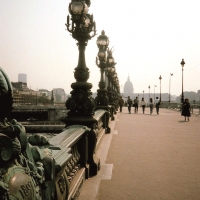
column 80, row 103
column 6, row 149
column 81, row 74
column 61, row 184
column 102, row 98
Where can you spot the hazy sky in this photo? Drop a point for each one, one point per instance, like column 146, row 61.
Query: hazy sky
column 150, row 38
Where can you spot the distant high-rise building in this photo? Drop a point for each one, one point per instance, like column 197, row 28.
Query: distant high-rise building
column 59, row 95
column 22, row 78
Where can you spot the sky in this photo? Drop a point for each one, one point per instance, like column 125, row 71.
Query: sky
column 149, row 38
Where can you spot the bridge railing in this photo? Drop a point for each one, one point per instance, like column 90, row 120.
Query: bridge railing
column 70, row 152
column 31, row 167
column 50, row 170
column 195, row 108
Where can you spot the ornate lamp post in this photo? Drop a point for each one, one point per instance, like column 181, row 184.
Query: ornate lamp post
column 160, row 86
column 102, row 43
column 149, row 92
column 81, row 105
column 110, row 72
column 182, row 95
column 115, row 90
column 154, row 92
column 170, row 75
column 113, row 93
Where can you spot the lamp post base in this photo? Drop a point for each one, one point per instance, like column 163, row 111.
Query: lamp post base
column 90, row 122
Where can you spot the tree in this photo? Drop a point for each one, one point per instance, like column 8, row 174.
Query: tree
column 44, row 100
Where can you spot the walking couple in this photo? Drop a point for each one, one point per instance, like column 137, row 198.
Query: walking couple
column 156, row 103
column 133, row 103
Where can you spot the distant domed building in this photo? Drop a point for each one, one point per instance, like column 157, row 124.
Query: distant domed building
column 128, row 88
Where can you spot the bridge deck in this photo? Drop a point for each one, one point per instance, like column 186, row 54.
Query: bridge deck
column 148, row 157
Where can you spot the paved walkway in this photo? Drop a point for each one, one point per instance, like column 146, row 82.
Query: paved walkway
column 148, row 157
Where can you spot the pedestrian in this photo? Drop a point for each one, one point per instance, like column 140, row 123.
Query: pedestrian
column 121, row 103
column 186, row 109
column 136, row 101
column 143, row 104
column 157, row 104
column 151, row 105
column 129, row 103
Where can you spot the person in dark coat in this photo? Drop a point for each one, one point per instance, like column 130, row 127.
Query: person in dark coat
column 151, row 104
column 121, row 103
column 136, row 102
column 186, row 109
column 129, row 102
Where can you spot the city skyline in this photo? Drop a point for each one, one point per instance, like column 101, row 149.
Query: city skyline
column 154, row 88
column 149, row 38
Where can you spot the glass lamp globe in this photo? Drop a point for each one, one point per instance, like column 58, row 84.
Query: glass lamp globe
column 113, row 69
column 78, row 8
column 102, row 41
column 109, row 69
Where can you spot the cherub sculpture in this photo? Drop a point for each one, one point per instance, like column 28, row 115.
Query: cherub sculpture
column 20, row 162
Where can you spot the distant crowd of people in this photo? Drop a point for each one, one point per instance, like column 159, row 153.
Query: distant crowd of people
column 135, row 103
column 152, row 104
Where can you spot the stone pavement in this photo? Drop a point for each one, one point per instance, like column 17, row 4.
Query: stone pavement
column 148, row 157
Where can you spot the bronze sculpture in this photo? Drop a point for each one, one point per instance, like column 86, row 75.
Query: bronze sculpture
column 34, row 168
column 21, row 169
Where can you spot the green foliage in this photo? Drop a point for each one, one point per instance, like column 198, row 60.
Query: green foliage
column 44, row 100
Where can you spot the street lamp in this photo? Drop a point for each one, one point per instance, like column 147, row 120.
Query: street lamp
column 82, row 28
column 102, row 43
column 182, row 95
column 160, row 86
column 149, row 91
column 115, row 90
column 110, row 71
column 170, row 75
column 81, row 105
column 154, row 92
